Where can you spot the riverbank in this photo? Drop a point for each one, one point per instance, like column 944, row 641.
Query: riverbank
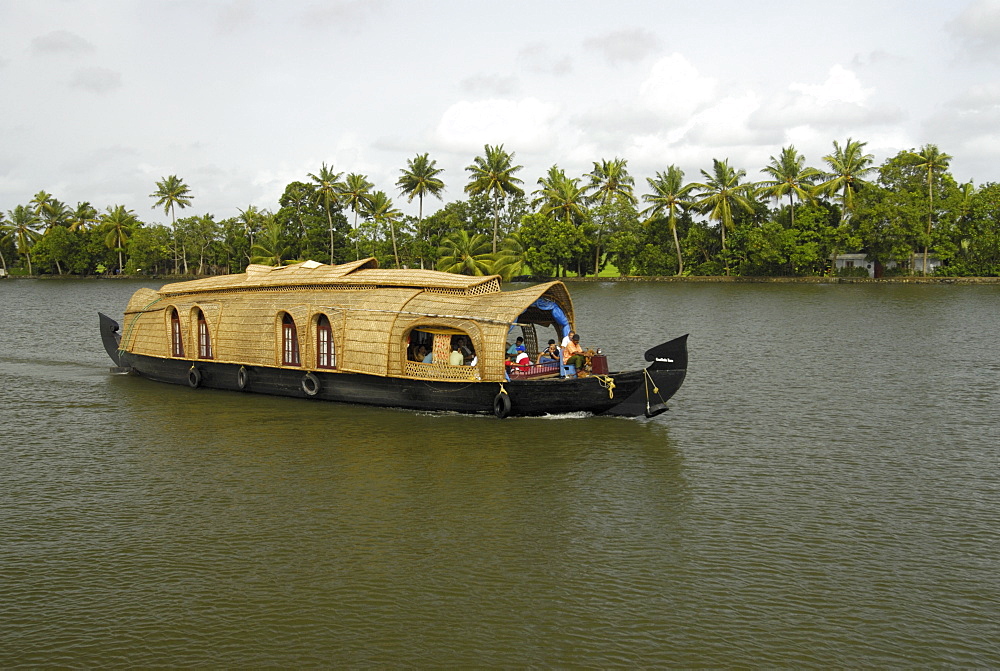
column 790, row 280
column 721, row 279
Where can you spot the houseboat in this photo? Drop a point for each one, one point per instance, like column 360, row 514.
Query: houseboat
column 357, row 333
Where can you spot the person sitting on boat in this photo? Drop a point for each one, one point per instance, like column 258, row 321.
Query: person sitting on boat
column 573, row 353
column 456, row 358
column 420, row 353
column 520, row 360
column 512, row 350
column 567, row 340
column 550, row 355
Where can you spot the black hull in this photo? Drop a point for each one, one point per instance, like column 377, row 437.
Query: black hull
column 638, row 392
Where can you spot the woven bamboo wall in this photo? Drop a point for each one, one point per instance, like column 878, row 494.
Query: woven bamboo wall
column 370, row 325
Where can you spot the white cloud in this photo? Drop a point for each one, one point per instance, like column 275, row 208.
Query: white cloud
column 96, row 80
column 675, row 89
column 526, row 124
column 60, row 42
column 841, row 86
column 624, row 46
column 977, row 27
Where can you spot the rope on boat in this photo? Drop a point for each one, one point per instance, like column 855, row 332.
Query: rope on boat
column 608, row 383
column 502, row 390
column 656, row 390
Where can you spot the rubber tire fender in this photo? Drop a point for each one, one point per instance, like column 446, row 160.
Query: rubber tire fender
column 242, row 378
column 194, row 377
column 501, row 405
column 310, row 384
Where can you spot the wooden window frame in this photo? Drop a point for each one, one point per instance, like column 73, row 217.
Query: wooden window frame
column 176, row 335
column 326, row 351
column 204, row 337
column 290, row 355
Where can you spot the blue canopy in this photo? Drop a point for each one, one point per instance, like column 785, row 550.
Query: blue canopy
column 558, row 316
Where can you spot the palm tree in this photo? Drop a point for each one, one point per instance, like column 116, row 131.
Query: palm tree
column 252, row 219
column 53, row 214
column 420, row 178
column 668, row 198
column 721, row 193
column 3, row 240
column 848, row 168
column 269, row 249
column 328, row 190
column 381, row 211
column 493, row 176
column 40, row 200
column 23, row 230
column 117, row 225
column 560, row 194
column 932, row 160
column 610, row 181
column 511, row 259
column 171, row 193
column 357, row 191
column 85, row 216
column 465, row 254
column 790, row 177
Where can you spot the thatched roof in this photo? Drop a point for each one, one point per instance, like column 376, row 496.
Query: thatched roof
column 372, row 311
column 364, row 272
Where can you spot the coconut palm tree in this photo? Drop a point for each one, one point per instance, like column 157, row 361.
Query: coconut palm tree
column 560, row 195
column 84, row 217
column 22, row 229
column 493, row 176
column 328, row 190
column 270, row 249
column 669, row 197
column 53, row 214
column 610, row 181
column 465, row 254
column 357, row 191
column 849, row 166
column 380, row 210
column 932, row 160
column 790, row 177
column 420, row 178
column 117, row 225
column 511, row 259
column 721, row 193
column 40, row 200
column 171, row 193
column 3, row 240
column 252, row 219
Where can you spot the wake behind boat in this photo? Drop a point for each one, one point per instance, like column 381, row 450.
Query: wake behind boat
column 352, row 332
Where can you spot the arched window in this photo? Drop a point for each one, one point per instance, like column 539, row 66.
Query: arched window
column 176, row 341
column 326, row 354
column 289, row 341
column 204, row 341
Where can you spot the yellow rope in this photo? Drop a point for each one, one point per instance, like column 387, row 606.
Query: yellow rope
column 656, row 390
column 502, row 390
column 608, row 383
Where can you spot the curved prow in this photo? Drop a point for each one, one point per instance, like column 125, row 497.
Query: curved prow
column 662, row 378
column 671, row 355
column 110, row 336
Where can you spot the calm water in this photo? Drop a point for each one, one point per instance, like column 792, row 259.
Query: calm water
column 824, row 492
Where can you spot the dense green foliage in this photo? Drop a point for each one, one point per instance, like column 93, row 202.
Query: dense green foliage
column 795, row 222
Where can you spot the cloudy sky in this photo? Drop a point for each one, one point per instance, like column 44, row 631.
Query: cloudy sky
column 99, row 99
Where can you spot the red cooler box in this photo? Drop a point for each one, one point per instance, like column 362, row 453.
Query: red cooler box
column 599, row 364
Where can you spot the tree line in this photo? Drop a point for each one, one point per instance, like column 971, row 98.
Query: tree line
column 794, row 222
